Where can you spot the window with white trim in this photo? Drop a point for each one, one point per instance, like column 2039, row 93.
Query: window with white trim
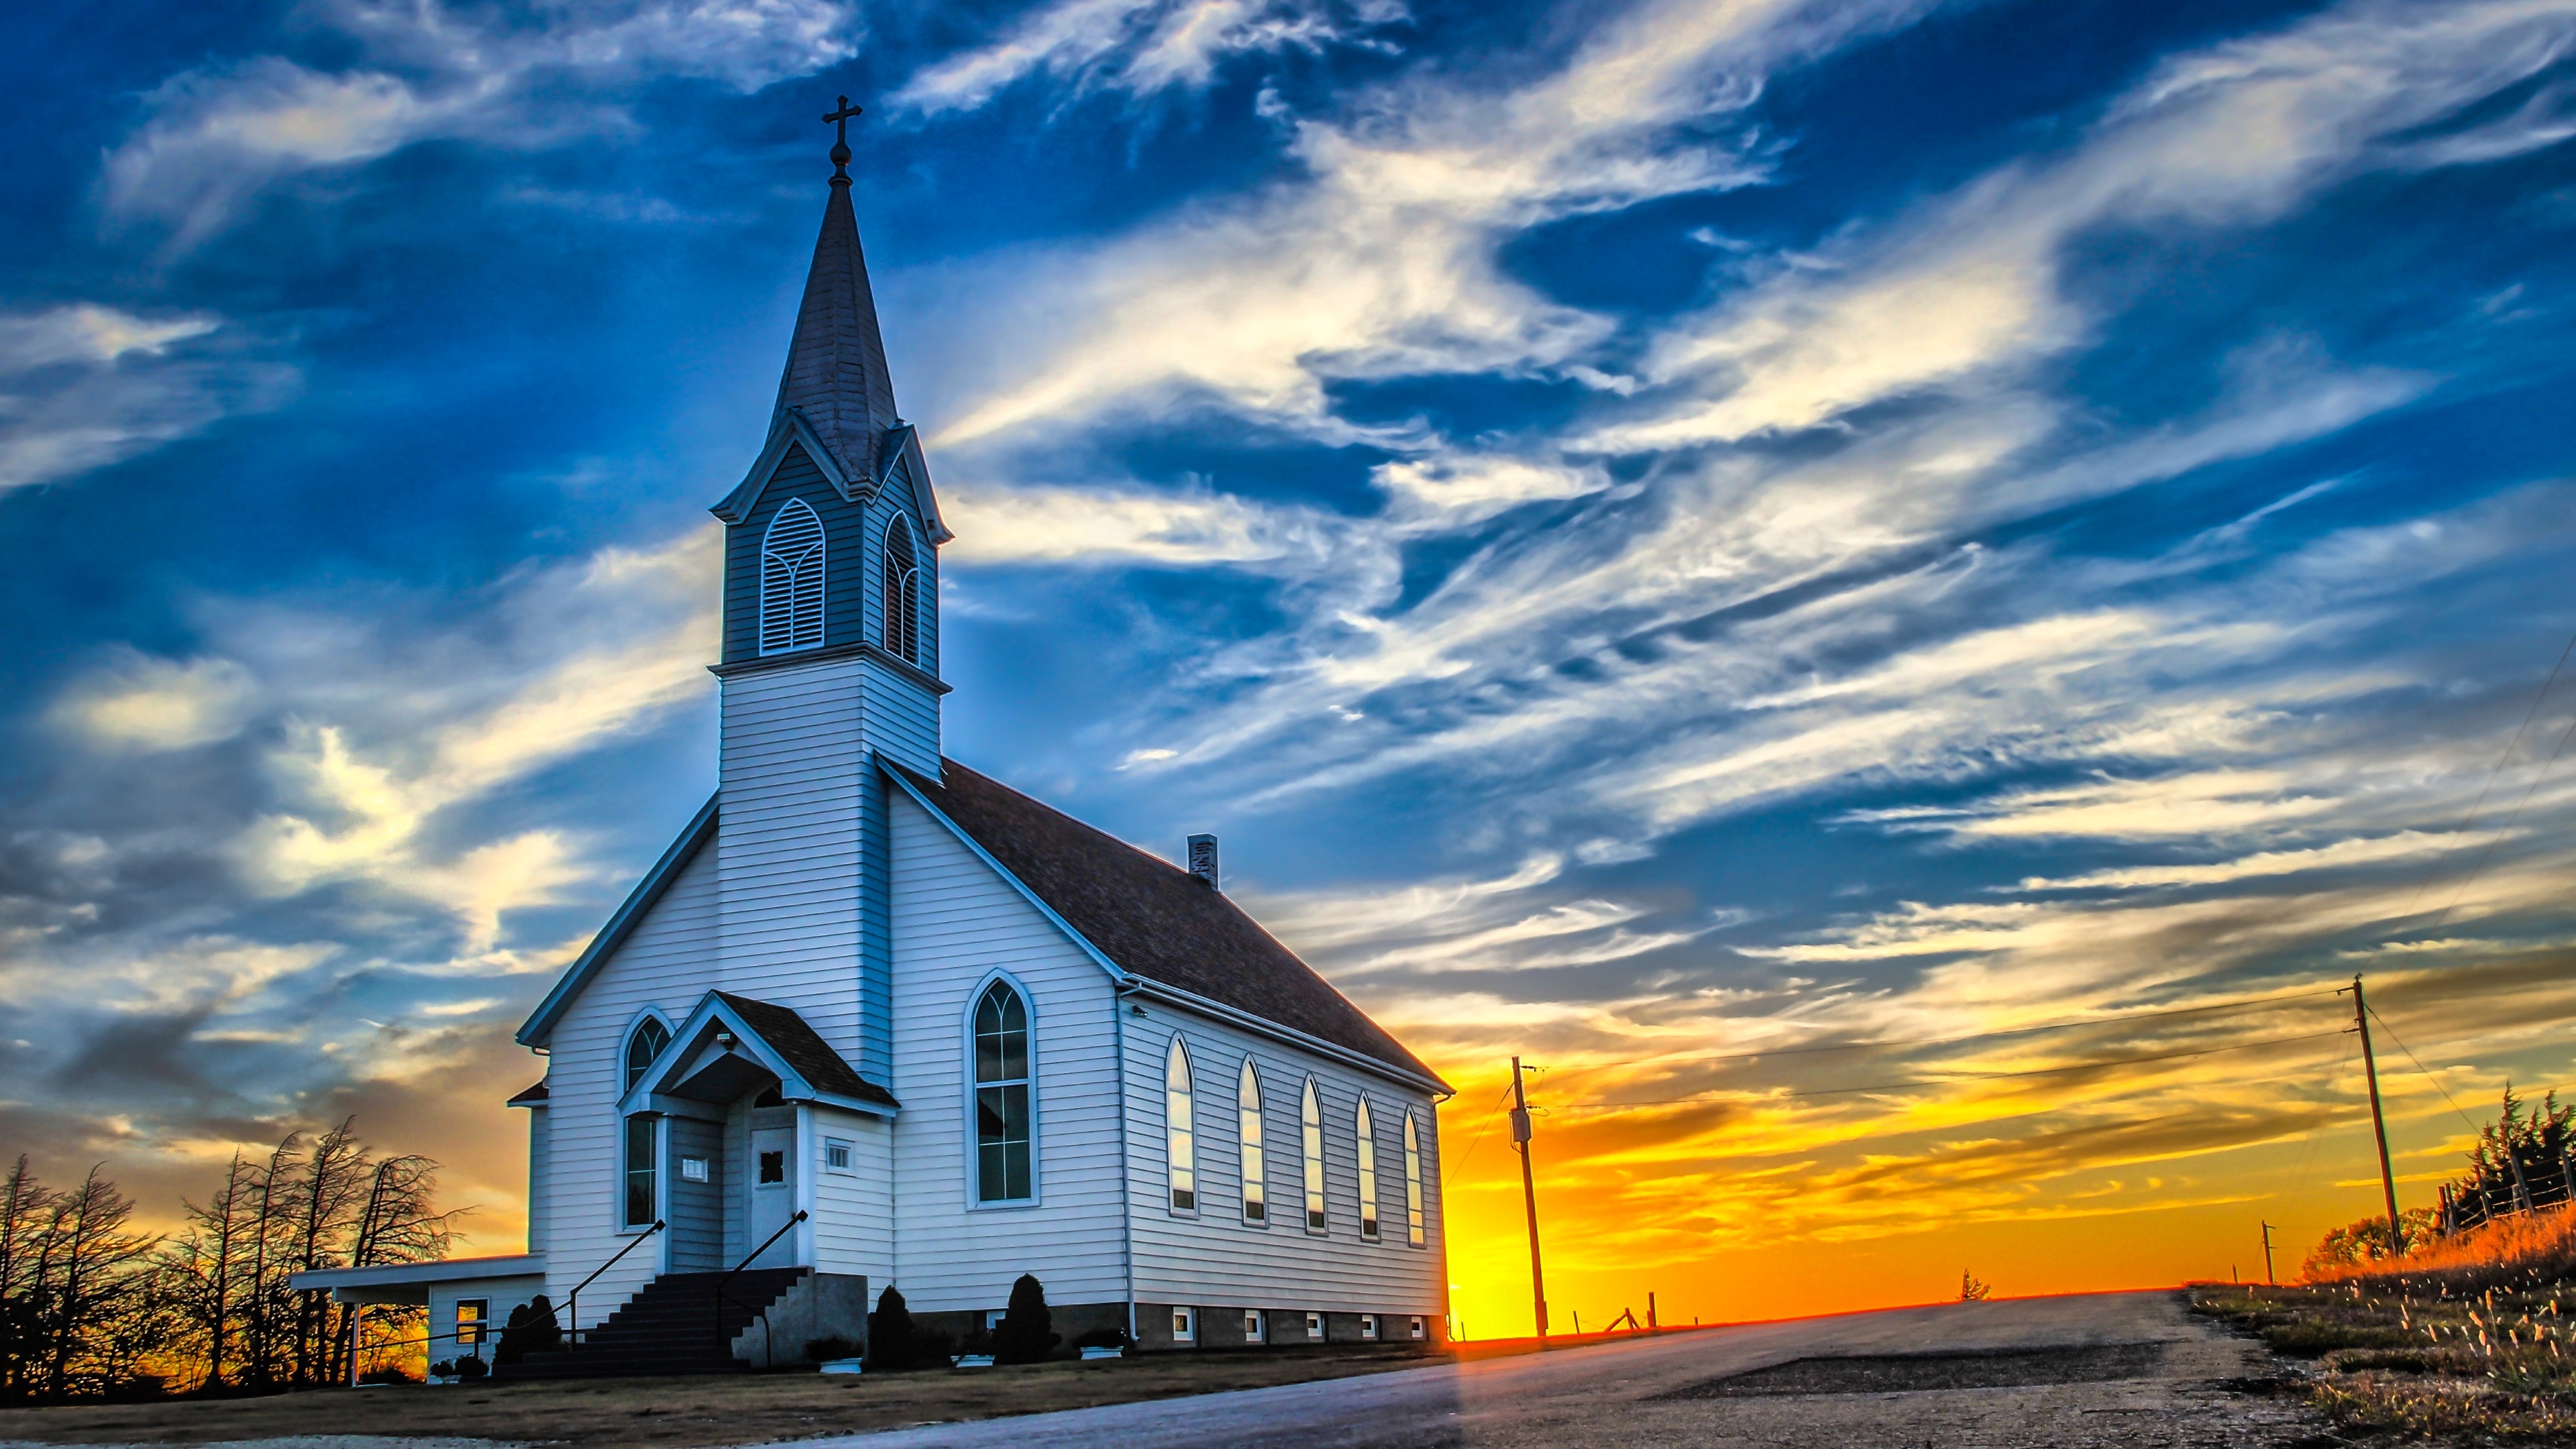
column 1256, row 1329
column 1185, row 1325
column 840, row 1157
column 1247, row 1114
column 1002, row 1121
column 791, row 580
column 1412, row 1183
column 1315, row 1326
column 1368, row 1326
column 1180, row 1143
column 1368, row 1171
column 640, row 1185
column 1417, row 1328
column 1310, row 1115
column 643, row 1044
column 902, row 584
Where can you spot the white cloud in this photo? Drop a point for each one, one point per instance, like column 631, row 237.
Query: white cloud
column 84, row 385
column 218, row 136
column 1139, row 47
column 1087, row 526
column 141, row 703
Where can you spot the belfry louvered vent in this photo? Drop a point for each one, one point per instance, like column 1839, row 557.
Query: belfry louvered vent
column 791, row 580
column 902, row 594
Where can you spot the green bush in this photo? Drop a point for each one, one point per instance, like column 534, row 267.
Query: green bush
column 1027, row 1334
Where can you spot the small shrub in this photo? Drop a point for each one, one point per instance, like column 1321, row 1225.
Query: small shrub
column 471, row 1367
column 932, row 1348
column 892, row 1344
column 444, row 1368
column 386, row 1376
column 1103, row 1338
column 1027, row 1334
column 824, row 1350
column 531, row 1329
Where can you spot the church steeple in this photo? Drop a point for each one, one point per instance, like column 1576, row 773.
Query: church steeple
column 836, row 365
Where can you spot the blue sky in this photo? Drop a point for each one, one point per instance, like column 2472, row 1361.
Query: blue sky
column 1649, row 529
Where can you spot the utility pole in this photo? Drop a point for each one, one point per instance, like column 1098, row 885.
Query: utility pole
column 2378, row 1123
column 1529, row 1197
column 2267, row 1257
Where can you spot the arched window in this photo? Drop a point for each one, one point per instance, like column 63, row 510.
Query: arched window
column 1310, row 1115
column 902, row 593
column 791, row 580
column 1368, row 1172
column 1180, row 1157
column 1002, row 1096
column 1247, row 1117
column 643, row 1044
column 1412, row 1182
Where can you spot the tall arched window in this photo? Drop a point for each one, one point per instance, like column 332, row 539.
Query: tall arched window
column 1002, row 1096
column 643, row 1044
column 902, row 593
column 1412, row 1183
column 1368, row 1172
column 1310, row 1114
column 791, row 580
column 1180, row 1156
column 1247, row 1117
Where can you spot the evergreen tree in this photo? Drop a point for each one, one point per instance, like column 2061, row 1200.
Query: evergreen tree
column 890, row 1333
column 1027, row 1334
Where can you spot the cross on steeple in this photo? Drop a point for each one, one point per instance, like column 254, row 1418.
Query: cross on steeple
column 840, row 121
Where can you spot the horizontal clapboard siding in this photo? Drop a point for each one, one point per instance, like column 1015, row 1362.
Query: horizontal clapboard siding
column 955, row 921
column 1215, row 1260
column 664, row 964
column 902, row 718
column 695, row 1209
column 853, row 1225
column 788, row 841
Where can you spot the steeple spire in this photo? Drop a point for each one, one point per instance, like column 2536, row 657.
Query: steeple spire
column 836, row 367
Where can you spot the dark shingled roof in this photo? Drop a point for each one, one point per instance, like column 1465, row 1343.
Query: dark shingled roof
column 811, row 1056
column 836, row 363
column 1152, row 918
column 533, row 1097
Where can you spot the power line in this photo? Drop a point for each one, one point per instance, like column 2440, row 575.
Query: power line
column 2501, row 831
column 2420, row 1067
column 1956, row 1077
column 1853, row 1046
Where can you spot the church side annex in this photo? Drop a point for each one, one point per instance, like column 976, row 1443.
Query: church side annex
column 877, row 1019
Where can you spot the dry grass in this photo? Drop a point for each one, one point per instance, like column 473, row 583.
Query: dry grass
column 2524, row 1251
column 689, row 1412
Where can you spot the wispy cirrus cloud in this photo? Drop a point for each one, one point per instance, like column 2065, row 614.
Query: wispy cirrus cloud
column 1136, row 47
column 84, row 385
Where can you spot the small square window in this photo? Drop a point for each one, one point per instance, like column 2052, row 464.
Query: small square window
column 693, row 1169
column 1368, row 1325
column 1185, row 1326
column 1314, row 1325
column 1253, row 1327
column 839, row 1157
column 471, row 1315
column 1417, row 1325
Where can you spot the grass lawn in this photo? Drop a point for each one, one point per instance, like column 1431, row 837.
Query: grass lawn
column 679, row 1412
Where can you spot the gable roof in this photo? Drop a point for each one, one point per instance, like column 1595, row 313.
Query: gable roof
column 803, row 1048
column 700, row 829
column 1151, row 918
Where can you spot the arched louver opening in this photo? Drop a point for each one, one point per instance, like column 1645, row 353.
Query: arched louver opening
column 902, row 594
column 1002, row 1118
column 1180, row 1138
column 791, row 580
column 642, row 1046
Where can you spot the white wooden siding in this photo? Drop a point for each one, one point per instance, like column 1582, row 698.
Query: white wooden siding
column 955, row 921
column 902, row 718
column 787, row 842
column 539, row 1139
column 695, row 1210
column 666, row 963
column 853, row 1225
column 1213, row 1260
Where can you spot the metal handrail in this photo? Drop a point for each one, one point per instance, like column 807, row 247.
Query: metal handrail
column 572, row 1300
column 722, row 1298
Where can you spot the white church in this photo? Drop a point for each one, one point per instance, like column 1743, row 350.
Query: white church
column 877, row 1019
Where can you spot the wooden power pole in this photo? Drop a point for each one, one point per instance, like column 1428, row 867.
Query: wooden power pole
column 2378, row 1123
column 2267, row 1257
column 1529, row 1197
